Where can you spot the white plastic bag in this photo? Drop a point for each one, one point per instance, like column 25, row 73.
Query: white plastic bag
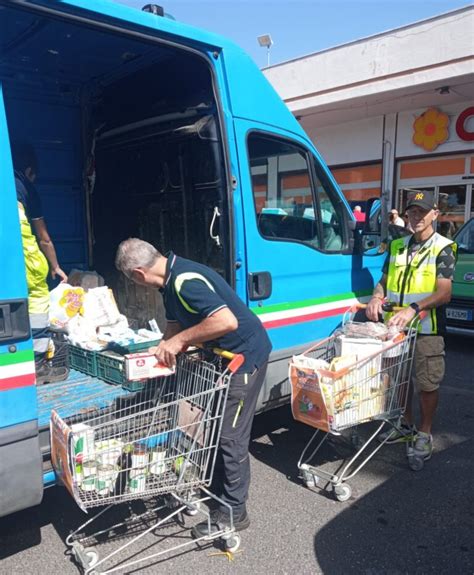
column 66, row 302
column 100, row 307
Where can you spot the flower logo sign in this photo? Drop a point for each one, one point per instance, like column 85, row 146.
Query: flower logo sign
column 430, row 129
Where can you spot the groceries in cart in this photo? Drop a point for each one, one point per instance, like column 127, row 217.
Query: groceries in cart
column 359, row 374
column 161, row 447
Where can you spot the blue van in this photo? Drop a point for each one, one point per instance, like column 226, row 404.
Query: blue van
column 147, row 127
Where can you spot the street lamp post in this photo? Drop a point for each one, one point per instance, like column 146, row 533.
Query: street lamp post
column 266, row 41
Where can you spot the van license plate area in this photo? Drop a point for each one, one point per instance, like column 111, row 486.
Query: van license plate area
column 459, row 314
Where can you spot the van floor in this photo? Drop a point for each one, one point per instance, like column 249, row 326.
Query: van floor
column 78, row 395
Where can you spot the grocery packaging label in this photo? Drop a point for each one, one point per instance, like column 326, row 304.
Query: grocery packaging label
column 307, row 399
column 144, row 366
column 62, row 444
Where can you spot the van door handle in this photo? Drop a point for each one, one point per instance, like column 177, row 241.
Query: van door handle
column 14, row 320
column 259, row 285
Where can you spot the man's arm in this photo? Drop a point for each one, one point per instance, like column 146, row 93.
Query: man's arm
column 441, row 296
column 218, row 324
column 374, row 307
column 47, row 247
column 172, row 329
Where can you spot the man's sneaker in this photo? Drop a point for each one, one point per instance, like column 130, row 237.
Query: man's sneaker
column 219, row 520
column 401, row 434
column 45, row 373
column 423, row 445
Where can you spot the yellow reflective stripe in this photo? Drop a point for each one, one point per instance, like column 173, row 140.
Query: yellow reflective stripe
column 417, row 285
column 186, row 276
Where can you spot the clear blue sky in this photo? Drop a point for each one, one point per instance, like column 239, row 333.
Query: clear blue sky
column 300, row 27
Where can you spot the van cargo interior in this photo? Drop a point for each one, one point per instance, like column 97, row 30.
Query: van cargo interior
column 128, row 142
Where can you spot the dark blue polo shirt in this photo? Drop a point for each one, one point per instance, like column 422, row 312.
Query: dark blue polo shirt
column 193, row 291
column 27, row 195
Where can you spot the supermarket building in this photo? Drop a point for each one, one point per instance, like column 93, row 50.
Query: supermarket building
column 393, row 112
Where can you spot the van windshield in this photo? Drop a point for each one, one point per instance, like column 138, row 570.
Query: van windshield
column 465, row 238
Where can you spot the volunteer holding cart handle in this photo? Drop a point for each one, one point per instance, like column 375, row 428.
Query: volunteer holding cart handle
column 417, row 276
column 202, row 308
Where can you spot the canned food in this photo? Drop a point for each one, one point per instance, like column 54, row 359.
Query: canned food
column 83, row 441
column 106, row 478
column 158, row 465
column 185, row 469
column 137, row 481
column 108, row 452
column 140, row 456
column 89, row 475
column 78, row 475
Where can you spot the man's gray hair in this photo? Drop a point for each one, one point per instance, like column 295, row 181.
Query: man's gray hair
column 135, row 253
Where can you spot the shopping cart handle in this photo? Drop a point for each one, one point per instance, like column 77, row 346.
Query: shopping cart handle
column 386, row 306
column 236, row 359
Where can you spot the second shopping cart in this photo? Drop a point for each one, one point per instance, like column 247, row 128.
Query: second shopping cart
column 342, row 382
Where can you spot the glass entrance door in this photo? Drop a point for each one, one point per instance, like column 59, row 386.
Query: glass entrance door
column 452, row 204
column 455, row 204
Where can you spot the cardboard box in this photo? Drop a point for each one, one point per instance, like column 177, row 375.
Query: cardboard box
column 144, row 366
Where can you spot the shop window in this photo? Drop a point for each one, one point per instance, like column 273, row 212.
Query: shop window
column 452, row 208
column 286, row 207
column 359, row 184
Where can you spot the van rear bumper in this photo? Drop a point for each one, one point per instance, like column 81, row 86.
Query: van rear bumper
column 21, row 469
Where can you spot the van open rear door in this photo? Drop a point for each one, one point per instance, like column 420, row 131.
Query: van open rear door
column 21, row 478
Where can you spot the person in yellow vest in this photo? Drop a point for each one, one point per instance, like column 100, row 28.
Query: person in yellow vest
column 417, row 276
column 40, row 257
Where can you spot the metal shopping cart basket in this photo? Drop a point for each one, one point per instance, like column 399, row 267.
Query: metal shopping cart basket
column 162, row 445
column 370, row 383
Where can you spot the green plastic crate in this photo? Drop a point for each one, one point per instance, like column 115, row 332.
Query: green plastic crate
column 83, row 360
column 135, row 385
column 111, row 367
column 135, row 347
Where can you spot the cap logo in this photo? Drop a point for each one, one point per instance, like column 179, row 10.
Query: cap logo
column 419, row 196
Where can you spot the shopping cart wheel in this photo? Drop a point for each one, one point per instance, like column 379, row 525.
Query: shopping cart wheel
column 233, row 543
column 194, row 510
column 342, row 492
column 416, row 463
column 92, row 556
column 309, row 479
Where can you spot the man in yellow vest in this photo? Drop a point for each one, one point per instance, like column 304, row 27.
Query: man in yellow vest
column 40, row 258
column 417, row 276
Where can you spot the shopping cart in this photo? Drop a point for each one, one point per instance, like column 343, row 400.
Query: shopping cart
column 161, row 445
column 372, row 385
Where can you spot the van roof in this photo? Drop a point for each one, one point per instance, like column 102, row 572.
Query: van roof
column 253, row 97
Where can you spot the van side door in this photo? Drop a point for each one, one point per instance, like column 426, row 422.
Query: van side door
column 299, row 243
column 21, row 477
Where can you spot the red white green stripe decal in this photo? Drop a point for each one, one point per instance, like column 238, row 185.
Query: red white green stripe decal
column 17, row 370
column 281, row 315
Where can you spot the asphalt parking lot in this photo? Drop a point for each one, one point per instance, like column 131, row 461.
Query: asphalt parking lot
column 398, row 521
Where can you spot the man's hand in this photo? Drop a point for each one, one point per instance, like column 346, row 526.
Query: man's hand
column 168, row 349
column 59, row 272
column 374, row 309
column 402, row 318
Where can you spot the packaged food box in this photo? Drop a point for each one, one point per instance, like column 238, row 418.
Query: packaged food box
column 144, row 366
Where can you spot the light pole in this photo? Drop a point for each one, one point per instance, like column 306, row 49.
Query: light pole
column 266, row 41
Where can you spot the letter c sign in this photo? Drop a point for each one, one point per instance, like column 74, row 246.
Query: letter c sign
column 460, row 123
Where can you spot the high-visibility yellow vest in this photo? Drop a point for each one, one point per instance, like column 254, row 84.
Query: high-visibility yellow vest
column 36, row 266
column 411, row 281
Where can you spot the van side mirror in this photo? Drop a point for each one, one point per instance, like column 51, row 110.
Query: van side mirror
column 373, row 218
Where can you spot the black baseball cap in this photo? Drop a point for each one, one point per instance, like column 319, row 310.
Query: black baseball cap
column 424, row 199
